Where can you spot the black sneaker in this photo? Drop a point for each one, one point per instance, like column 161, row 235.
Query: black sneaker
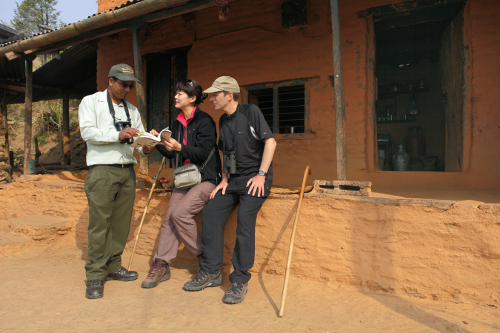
column 236, row 293
column 159, row 272
column 95, row 289
column 203, row 280
column 122, row 275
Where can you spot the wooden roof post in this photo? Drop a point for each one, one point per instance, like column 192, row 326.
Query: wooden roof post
column 5, row 124
column 28, row 112
column 66, row 137
column 140, row 87
column 338, row 80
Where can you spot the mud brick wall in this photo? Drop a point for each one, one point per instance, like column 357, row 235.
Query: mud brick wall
column 252, row 47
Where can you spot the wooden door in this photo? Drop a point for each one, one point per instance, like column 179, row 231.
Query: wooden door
column 163, row 71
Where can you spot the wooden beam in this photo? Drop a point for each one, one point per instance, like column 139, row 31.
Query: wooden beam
column 28, row 118
column 338, row 79
column 6, row 127
column 140, row 89
column 371, row 148
column 66, row 137
column 4, row 84
column 13, row 55
column 12, row 87
column 121, row 26
column 403, row 8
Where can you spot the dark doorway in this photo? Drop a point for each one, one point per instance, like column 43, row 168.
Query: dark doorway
column 163, row 70
column 419, row 74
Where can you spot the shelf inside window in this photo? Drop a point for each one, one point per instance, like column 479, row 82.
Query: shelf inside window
column 396, row 121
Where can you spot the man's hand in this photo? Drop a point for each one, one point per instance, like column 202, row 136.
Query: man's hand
column 222, row 186
column 256, row 184
column 128, row 133
column 155, row 133
column 171, row 144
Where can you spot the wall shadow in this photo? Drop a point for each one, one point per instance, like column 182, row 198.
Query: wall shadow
column 81, row 233
column 269, row 255
column 371, row 235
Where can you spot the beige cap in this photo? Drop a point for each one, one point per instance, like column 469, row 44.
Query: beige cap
column 224, row 83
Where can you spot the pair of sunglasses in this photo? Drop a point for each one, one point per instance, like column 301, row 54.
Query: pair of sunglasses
column 125, row 85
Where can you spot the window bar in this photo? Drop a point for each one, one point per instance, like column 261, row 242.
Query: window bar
column 275, row 110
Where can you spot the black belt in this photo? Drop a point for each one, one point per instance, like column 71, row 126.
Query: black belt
column 116, row 165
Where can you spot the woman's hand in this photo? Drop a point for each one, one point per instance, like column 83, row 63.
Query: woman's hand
column 147, row 150
column 171, row 144
column 155, row 133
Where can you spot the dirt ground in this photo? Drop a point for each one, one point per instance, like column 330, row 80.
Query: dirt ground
column 43, row 286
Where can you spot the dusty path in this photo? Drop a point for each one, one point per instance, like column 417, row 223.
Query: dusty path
column 42, row 290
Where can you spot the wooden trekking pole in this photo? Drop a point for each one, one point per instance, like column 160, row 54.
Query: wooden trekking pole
column 301, row 195
column 145, row 211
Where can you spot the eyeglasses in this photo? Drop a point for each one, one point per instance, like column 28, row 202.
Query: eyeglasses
column 125, row 85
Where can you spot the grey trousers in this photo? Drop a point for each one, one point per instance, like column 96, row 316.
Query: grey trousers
column 179, row 223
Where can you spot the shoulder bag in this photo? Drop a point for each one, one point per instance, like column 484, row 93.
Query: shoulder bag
column 188, row 175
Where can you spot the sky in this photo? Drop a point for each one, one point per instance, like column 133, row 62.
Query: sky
column 71, row 10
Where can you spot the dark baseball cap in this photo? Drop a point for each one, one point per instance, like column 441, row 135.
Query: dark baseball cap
column 123, row 72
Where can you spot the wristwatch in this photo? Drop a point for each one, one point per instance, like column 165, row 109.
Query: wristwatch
column 262, row 173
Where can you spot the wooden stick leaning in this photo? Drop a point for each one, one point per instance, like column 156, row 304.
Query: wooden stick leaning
column 145, row 211
column 301, row 195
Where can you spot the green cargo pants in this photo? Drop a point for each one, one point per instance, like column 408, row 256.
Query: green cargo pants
column 110, row 193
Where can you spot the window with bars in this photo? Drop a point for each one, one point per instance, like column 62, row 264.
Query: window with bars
column 283, row 105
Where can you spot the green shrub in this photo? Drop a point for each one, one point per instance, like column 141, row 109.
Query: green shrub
column 73, row 124
column 42, row 138
column 18, row 157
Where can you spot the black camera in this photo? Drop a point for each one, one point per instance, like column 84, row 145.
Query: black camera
column 120, row 126
column 229, row 162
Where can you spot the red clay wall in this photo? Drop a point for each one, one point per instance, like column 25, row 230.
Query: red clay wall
column 252, row 47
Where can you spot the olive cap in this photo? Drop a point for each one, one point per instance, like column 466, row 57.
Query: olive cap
column 123, row 72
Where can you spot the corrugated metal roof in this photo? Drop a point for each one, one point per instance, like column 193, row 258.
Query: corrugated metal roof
column 8, row 30
column 12, row 70
column 126, row 4
column 75, row 72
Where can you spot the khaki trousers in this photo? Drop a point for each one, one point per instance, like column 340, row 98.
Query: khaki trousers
column 110, row 193
column 179, row 223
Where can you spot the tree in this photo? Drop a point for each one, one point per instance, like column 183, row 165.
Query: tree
column 30, row 13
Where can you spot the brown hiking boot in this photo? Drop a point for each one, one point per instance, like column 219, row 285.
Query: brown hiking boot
column 159, row 272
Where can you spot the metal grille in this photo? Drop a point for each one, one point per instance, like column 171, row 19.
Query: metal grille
column 264, row 100
column 291, row 110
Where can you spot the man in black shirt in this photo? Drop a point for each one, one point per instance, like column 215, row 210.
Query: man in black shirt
column 247, row 145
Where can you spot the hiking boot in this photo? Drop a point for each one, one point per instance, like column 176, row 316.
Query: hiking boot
column 95, row 289
column 236, row 293
column 203, row 280
column 122, row 275
column 159, row 272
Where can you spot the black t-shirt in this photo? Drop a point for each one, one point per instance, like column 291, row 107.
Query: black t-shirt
column 245, row 131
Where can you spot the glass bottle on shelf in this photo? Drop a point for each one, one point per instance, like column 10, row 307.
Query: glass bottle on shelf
column 401, row 159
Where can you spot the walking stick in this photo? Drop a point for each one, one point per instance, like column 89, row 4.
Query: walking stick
column 301, row 195
column 145, row 211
